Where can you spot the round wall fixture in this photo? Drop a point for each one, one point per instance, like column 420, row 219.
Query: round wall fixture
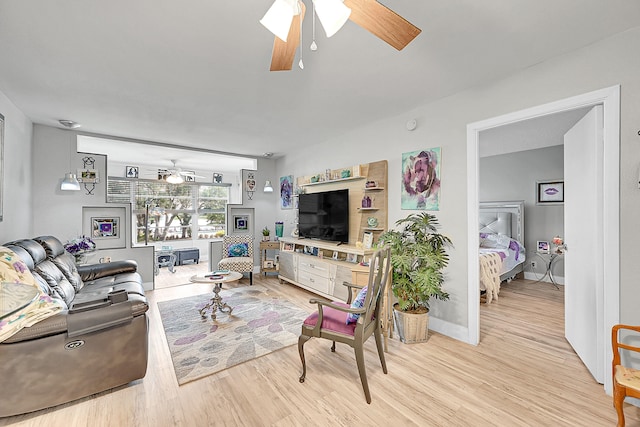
column 412, row 124
column 69, row 124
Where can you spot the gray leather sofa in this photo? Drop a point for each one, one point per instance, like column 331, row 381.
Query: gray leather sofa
column 99, row 342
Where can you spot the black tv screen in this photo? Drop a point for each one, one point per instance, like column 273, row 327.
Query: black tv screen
column 324, row 215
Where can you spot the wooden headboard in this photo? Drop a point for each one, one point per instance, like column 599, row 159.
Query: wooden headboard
column 503, row 218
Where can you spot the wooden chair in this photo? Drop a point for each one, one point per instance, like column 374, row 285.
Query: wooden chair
column 330, row 321
column 237, row 254
column 626, row 381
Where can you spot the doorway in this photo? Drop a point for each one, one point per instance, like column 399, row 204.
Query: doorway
column 609, row 201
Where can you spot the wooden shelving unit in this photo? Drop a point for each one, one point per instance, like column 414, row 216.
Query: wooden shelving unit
column 368, row 172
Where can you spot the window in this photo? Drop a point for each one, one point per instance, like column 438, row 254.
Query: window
column 165, row 212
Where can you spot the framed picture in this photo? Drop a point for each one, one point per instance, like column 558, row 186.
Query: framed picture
column 543, row 246
column 88, row 176
column 420, row 185
column 189, row 176
column 105, row 228
column 267, row 264
column 287, row 247
column 286, row 191
column 131, row 172
column 367, row 240
column 105, row 225
column 352, row 258
column 241, row 223
column 550, row 192
column 217, row 178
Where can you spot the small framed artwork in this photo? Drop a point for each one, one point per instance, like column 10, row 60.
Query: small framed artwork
column 543, row 246
column 189, row 176
column 241, row 223
column 267, row 264
column 335, row 255
column 88, row 176
column 105, row 228
column 287, row 247
column 367, row 240
column 353, row 258
column 550, row 192
column 131, row 172
column 217, row 178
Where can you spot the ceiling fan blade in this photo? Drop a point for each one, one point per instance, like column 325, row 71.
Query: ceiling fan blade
column 284, row 52
column 382, row 22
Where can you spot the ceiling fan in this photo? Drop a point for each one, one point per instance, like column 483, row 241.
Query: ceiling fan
column 176, row 175
column 285, row 17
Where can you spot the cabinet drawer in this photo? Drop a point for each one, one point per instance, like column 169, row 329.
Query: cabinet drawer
column 321, row 269
column 313, row 281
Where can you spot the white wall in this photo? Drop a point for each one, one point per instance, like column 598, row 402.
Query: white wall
column 17, row 173
column 59, row 213
column 443, row 124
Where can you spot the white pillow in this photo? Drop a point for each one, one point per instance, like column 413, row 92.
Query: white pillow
column 495, row 241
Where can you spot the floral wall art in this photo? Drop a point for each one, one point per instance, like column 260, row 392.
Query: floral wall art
column 286, row 192
column 421, row 179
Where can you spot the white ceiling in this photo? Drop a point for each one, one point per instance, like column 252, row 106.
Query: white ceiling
column 195, row 72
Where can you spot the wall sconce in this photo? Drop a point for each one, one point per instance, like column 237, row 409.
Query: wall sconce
column 250, row 185
column 268, row 188
column 70, row 182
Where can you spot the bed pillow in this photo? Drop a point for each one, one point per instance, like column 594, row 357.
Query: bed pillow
column 238, row 250
column 357, row 303
column 494, row 241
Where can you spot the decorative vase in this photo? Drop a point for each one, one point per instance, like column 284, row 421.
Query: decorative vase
column 411, row 327
column 279, row 229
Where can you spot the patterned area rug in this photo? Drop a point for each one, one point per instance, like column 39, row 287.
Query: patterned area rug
column 259, row 324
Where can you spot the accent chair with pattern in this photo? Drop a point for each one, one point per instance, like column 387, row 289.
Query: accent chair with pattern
column 237, row 254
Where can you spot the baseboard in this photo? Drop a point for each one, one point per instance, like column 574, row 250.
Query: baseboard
column 530, row 276
column 449, row 329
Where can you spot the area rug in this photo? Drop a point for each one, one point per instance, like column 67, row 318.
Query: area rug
column 260, row 323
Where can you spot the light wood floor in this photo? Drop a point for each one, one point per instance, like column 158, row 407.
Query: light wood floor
column 523, row 373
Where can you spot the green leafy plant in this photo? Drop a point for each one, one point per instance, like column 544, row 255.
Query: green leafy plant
column 265, row 231
column 418, row 256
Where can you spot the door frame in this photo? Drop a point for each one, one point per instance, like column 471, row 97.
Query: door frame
column 610, row 99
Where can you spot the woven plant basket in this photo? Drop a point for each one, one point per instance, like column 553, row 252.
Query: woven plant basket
column 412, row 328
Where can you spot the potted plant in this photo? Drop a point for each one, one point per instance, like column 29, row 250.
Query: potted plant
column 418, row 257
column 265, row 234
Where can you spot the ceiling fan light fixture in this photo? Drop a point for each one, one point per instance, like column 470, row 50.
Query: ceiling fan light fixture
column 175, row 178
column 279, row 17
column 333, row 14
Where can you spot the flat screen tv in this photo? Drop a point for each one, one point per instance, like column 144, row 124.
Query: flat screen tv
column 324, row 215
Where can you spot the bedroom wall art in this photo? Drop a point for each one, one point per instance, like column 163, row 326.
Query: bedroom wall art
column 550, row 192
column 286, row 192
column 421, row 180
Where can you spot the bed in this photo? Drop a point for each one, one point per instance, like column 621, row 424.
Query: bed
column 501, row 227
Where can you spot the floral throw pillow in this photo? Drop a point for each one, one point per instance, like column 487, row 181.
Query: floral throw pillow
column 238, row 250
column 357, row 303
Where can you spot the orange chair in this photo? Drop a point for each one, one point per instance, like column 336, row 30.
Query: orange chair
column 626, row 381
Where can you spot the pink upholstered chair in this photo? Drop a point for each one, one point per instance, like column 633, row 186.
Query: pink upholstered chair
column 331, row 320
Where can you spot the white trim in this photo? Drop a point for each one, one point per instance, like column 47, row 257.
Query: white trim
column 449, row 329
column 610, row 99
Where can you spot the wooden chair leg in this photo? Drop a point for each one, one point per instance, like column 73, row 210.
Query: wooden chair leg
column 380, row 347
column 250, row 278
column 618, row 400
column 362, row 371
column 333, row 347
column 301, row 340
